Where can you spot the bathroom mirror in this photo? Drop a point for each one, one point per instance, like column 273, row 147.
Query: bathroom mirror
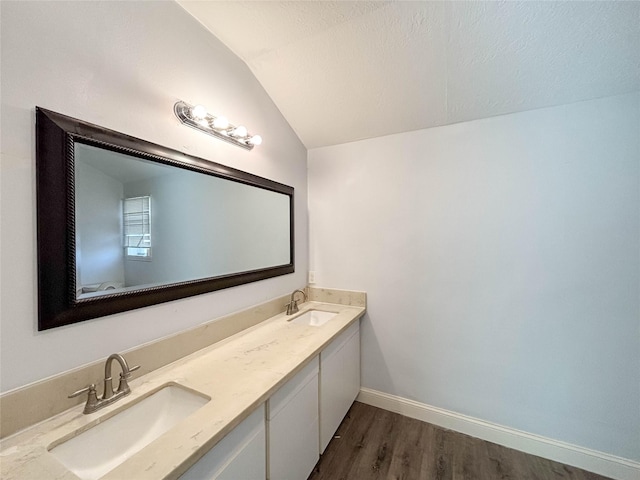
column 124, row 223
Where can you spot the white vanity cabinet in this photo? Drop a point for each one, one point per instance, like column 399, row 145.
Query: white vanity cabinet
column 301, row 419
column 241, row 454
column 292, row 417
column 339, row 381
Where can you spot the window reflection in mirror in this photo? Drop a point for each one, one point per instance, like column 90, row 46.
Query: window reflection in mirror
column 136, row 227
column 183, row 224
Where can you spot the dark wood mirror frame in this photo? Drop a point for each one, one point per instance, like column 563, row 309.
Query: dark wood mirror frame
column 56, row 135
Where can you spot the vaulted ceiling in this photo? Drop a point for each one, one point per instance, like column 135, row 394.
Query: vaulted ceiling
column 344, row 71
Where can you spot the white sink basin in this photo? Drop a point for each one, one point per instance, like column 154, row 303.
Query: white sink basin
column 315, row 318
column 94, row 452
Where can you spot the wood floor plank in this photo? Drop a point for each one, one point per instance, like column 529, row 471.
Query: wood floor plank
column 346, row 444
column 374, row 457
column 501, row 462
column 466, row 454
column 523, row 468
column 375, row 444
column 441, row 458
column 407, row 457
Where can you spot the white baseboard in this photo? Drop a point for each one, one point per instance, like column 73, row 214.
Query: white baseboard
column 584, row 458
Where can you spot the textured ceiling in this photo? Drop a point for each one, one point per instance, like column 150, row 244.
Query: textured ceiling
column 344, row 71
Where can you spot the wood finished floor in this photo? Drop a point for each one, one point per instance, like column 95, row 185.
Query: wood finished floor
column 375, row 444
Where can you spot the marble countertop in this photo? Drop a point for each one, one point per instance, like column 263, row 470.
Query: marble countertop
column 239, row 374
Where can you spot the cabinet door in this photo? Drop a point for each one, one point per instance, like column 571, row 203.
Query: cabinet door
column 241, row 454
column 339, row 381
column 293, row 426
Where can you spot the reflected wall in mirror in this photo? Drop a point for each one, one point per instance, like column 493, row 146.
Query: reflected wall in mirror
column 123, row 223
column 142, row 224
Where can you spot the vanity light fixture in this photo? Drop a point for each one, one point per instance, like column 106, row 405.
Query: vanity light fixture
column 196, row 116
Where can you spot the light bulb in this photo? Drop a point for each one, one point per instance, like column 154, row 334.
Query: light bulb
column 199, row 112
column 220, row 123
column 255, row 140
column 240, row 131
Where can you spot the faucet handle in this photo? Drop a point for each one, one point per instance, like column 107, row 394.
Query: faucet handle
column 92, row 398
column 91, row 389
column 123, row 386
column 292, row 307
column 127, row 373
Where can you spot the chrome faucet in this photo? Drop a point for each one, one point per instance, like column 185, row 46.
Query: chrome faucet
column 292, row 307
column 108, row 395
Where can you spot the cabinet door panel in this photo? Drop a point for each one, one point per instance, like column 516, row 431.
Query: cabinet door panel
column 339, row 385
column 290, row 389
column 293, row 435
column 240, row 454
column 250, row 463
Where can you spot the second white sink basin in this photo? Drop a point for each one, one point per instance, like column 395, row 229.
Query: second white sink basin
column 315, row 318
column 94, row 452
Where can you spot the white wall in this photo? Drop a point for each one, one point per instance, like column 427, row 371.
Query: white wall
column 501, row 262
column 122, row 65
column 99, row 254
column 187, row 246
